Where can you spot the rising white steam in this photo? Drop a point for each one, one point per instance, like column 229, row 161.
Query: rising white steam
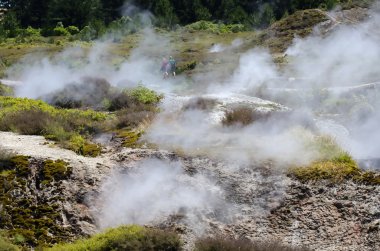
column 156, row 190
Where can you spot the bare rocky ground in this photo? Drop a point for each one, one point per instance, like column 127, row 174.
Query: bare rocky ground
column 265, row 204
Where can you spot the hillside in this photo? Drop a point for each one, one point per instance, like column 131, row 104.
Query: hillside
column 265, row 139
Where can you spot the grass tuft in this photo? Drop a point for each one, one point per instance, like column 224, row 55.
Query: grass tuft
column 334, row 165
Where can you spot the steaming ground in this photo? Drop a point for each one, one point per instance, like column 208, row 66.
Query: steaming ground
column 228, row 176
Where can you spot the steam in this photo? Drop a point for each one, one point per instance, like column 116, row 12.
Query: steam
column 42, row 75
column 156, row 190
column 220, row 47
column 131, row 10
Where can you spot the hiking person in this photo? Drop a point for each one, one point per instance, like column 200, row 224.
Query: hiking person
column 164, row 67
column 173, row 66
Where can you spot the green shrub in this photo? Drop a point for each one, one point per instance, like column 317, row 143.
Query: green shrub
column 80, row 145
column 60, row 31
column 145, row 95
column 72, row 30
column 125, row 238
column 30, row 32
column 29, row 122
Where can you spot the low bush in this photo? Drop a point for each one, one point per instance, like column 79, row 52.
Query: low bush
column 144, row 95
column 242, row 116
column 97, row 93
column 222, row 243
column 29, row 122
column 126, row 238
column 88, row 93
column 60, row 31
column 81, row 146
column 73, row 30
column 134, row 115
column 30, row 32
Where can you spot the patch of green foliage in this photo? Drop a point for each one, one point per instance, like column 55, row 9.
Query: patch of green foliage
column 218, row 28
column 35, row 117
column 132, row 108
column 73, row 30
column 144, row 95
column 79, row 145
column 126, row 238
column 334, row 165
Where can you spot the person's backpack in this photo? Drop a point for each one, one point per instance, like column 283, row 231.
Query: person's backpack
column 172, row 64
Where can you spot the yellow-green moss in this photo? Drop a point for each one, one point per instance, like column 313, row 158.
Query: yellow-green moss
column 130, row 138
column 30, row 222
column 21, row 163
column 55, row 170
column 91, row 150
column 338, row 169
column 80, row 145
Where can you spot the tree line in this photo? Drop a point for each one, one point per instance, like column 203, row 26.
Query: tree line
column 254, row 13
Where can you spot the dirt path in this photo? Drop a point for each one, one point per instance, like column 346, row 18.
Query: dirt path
column 39, row 147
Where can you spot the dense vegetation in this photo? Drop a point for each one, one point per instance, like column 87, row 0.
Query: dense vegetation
column 73, row 128
column 95, row 15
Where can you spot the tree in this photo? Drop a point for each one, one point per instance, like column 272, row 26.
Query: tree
column 164, row 11
column 73, row 12
column 200, row 11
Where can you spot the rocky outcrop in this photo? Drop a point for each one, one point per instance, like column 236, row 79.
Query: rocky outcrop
column 260, row 202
